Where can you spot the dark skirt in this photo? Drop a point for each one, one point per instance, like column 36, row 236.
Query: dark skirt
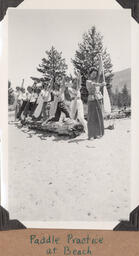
column 95, row 119
column 29, row 108
column 61, row 107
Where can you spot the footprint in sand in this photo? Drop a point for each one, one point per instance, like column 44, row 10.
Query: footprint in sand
column 90, row 146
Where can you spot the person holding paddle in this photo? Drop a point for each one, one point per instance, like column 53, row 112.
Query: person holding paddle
column 58, row 104
column 77, row 110
column 95, row 122
column 43, row 100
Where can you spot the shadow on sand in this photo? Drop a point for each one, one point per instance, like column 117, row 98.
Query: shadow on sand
column 77, row 140
column 43, row 135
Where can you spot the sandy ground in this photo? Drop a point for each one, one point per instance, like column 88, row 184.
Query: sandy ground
column 57, row 179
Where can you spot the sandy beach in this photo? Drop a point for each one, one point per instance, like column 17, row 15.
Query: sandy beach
column 54, row 178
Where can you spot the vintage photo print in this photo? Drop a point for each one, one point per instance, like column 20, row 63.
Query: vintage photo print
column 69, row 115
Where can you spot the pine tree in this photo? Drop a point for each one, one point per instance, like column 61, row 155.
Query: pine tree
column 120, row 100
column 115, row 97
column 52, row 67
column 125, row 96
column 88, row 56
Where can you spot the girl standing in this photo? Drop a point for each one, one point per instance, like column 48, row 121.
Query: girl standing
column 95, row 121
column 43, row 101
column 76, row 103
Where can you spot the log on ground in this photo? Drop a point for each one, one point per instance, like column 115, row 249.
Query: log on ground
column 71, row 128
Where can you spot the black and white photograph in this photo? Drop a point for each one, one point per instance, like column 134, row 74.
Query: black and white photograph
column 69, row 115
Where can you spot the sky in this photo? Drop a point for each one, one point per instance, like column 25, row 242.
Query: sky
column 32, row 32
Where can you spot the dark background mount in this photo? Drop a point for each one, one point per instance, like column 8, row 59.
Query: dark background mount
column 6, row 223
column 131, row 225
column 4, row 4
column 133, row 5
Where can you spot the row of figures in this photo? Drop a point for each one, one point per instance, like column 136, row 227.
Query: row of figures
column 47, row 102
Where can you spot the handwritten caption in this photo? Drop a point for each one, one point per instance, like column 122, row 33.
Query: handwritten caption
column 70, row 245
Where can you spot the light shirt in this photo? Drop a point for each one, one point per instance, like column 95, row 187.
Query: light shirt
column 93, row 90
column 46, row 95
column 28, row 96
column 19, row 96
column 24, row 96
column 16, row 94
column 74, row 93
column 33, row 97
column 61, row 96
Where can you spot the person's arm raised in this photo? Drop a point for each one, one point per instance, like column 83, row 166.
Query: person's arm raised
column 62, row 89
column 100, row 84
column 79, row 79
column 51, row 85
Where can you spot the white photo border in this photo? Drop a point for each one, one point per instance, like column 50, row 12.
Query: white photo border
column 101, row 4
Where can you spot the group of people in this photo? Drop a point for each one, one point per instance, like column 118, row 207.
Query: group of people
column 48, row 102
